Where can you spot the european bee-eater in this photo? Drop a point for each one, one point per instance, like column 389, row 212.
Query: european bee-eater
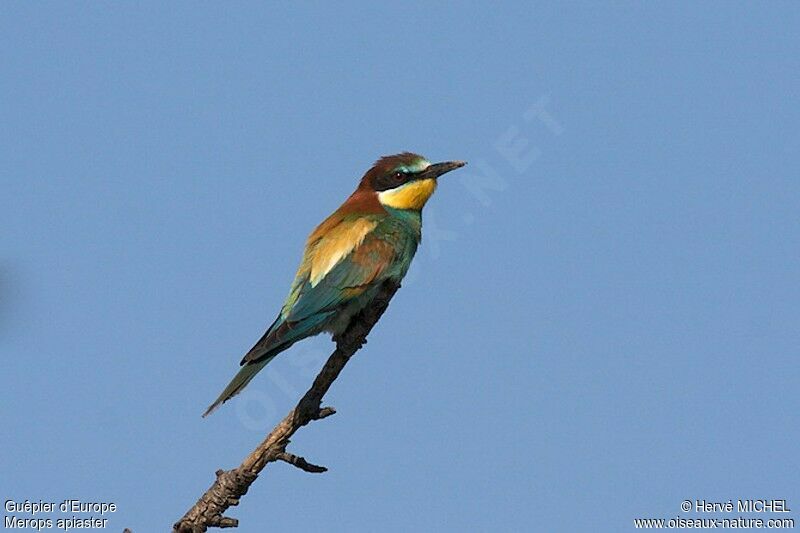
column 371, row 238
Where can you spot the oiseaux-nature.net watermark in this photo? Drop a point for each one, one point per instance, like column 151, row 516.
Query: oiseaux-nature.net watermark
column 764, row 514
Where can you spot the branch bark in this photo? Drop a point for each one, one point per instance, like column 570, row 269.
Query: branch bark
column 231, row 485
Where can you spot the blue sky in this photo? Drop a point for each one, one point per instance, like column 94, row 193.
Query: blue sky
column 603, row 319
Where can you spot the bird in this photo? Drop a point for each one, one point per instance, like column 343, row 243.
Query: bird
column 370, row 239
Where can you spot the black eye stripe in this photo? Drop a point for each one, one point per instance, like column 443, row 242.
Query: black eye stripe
column 390, row 181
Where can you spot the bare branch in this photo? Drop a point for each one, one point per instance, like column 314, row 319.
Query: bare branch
column 325, row 412
column 231, row 485
column 300, row 463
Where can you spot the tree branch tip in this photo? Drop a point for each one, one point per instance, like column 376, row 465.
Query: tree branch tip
column 325, row 412
column 223, row 522
column 300, row 463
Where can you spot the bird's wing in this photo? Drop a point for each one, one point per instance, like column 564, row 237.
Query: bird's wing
column 339, row 264
column 367, row 264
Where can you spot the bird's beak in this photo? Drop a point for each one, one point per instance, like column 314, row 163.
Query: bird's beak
column 437, row 169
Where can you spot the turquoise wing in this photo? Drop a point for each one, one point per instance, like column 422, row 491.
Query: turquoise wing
column 385, row 251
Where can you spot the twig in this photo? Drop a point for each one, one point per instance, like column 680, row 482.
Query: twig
column 231, row 485
column 300, row 463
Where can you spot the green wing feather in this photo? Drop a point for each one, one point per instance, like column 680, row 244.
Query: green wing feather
column 385, row 252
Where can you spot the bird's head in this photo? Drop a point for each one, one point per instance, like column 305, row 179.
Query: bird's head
column 405, row 181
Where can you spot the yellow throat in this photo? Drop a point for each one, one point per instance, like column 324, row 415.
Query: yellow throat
column 412, row 195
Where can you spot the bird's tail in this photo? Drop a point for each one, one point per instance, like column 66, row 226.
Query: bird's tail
column 239, row 382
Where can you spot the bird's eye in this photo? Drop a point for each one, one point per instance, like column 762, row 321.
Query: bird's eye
column 399, row 176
